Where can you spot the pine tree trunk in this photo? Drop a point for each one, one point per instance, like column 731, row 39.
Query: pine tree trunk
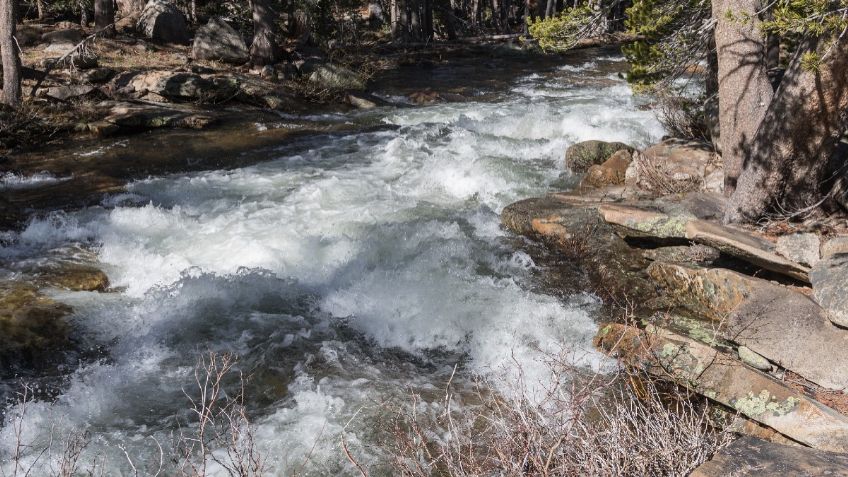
column 39, row 5
column 9, row 51
column 744, row 88
column 799, row 134
column 104, row 17
column 264, row 49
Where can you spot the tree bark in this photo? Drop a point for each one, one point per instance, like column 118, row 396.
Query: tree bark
column 264, row 49
column 10, row 55
column 39, row 5
column 799, row 134
column 104, row 17
column 744, row 88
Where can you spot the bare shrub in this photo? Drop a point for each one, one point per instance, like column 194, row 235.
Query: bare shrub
column 584, row 424
column 683, row 117
column 223, row 433
column 63, row 462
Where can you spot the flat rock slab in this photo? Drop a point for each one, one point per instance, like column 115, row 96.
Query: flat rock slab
column 722, row 378
column 745, row 246
column 645, row 223
column 774, row 321
column 749, row 456
column 642, row 222
column 830, row 287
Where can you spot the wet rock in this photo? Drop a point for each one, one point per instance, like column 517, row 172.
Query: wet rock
column 76, row 277
column 70, row 36
column 427, row 96
column 801, row 248
column 31, row 325
column 774, row 321
column 676, row 166
column 581, row 156
column 332, row 76
column 699, row 254
column 611, row 172
column 218, row 41
column 830, row 287
column 749, row 456
column 163, row 22
column 835, row 246
column 753, row 359
column 745, row 246
column 134, row 118
column 722, row 378
column 570, row 225
column 364, row 101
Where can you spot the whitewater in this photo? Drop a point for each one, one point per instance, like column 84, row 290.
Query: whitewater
column 346, row 271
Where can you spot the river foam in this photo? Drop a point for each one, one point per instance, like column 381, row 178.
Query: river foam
column 345, row 271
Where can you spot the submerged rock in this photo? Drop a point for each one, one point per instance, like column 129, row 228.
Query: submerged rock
column 830, row 287
column 76, row 277
column 722, row 378
column 755, row 457
column 781, row 324
column 581, row 156
column 31, row 326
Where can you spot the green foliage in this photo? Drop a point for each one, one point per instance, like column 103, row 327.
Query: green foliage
column 669, row 35
column 562, row 32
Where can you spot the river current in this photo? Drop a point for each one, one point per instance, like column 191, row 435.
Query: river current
column 345, row 271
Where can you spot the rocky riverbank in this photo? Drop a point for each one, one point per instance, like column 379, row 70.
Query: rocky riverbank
column 752, row 319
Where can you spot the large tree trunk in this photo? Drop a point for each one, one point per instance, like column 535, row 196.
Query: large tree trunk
column 9, row 52
column 800, row 132
column 104, row 17
column 264, row 49
column 744, row 88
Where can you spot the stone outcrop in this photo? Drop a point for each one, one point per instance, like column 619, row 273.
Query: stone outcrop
column 830, row 287
column 332, row 76
column 611, row 172
column 749, row 456
column 162, row 22
column 641, row 222
column 800, row 248
column 774, row 321
column 676, row 166
column 581, row 156
column 217, row 40
column 173, row 86
column 722, row 378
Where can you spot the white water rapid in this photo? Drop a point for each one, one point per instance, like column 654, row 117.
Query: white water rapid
column 345, row 271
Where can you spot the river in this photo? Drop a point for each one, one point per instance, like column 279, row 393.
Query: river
column 346, row 271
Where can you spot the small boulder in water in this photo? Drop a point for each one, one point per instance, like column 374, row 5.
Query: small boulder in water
column 581, row 156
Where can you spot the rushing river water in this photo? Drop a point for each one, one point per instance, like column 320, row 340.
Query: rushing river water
column 346, row 271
